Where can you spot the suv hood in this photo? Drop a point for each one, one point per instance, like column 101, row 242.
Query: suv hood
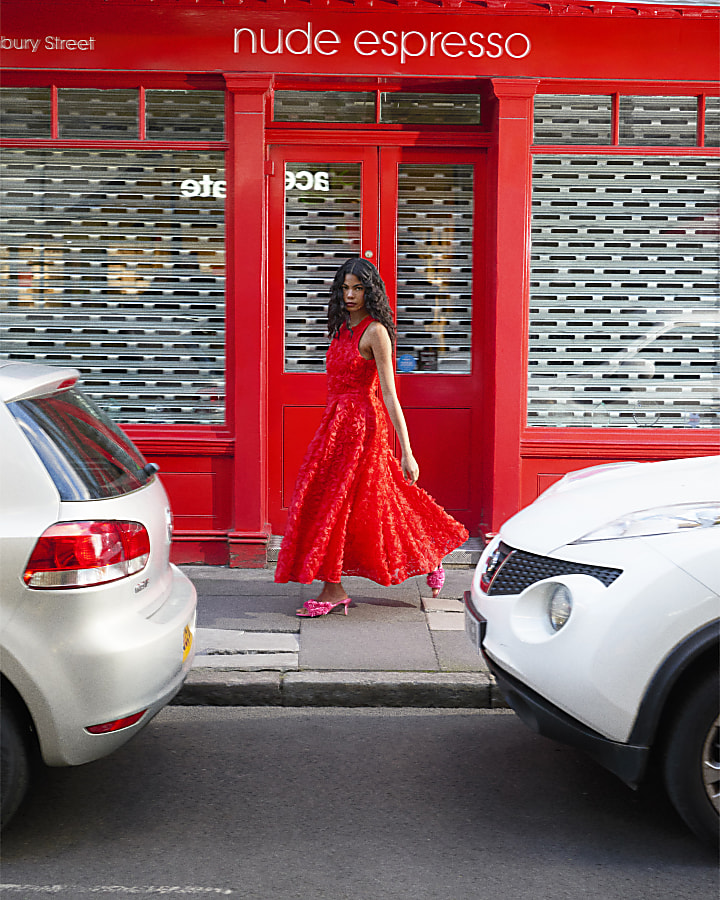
column 590, row 498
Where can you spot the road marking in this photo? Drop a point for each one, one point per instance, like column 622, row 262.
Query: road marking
column 75, row 889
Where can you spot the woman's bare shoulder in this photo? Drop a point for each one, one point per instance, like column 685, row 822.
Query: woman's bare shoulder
column 376, row 331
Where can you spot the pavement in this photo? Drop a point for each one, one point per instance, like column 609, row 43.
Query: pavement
column 398, row 646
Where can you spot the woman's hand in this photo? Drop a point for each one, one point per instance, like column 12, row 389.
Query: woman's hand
column 411, row 470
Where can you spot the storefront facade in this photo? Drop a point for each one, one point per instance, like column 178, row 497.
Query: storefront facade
column 538, row 184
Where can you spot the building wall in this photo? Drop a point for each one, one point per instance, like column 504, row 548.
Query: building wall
column 150, row 163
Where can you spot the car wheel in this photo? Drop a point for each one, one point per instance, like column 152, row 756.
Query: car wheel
column 14, row 764
column 692, row 760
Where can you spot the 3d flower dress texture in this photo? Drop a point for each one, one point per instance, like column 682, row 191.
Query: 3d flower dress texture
column 352, row 511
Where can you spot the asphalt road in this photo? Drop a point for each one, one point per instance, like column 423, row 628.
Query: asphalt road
column 278, row 804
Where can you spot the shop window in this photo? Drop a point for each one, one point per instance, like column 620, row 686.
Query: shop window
column 572, row 119
column 113, row 261
column 658, row 121
column 624, row 307
column 325, row 106
column 434, row 265
column 25, row 112
column 369, row 107
column 322, row 230
column 429, row 109
column 712, row 121
column 185, row 115
column 90, row 114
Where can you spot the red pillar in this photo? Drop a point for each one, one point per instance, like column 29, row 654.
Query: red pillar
column 509, row 249
column 247, row 317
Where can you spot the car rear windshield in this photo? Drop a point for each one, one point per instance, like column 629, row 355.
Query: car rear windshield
column 86, row 454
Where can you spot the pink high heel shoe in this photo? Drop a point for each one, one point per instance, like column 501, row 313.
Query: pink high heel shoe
column 312, row 608
column 435, row 580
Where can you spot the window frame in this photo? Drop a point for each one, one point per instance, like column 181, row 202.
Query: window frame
column 219, row 435
column 600, row 443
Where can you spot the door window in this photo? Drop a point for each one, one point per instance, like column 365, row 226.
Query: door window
column 434, row 266
column 322, row 230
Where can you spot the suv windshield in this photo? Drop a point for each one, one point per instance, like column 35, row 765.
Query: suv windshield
column 86, row 454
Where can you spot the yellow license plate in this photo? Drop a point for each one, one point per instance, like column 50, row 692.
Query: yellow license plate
column 187, row 642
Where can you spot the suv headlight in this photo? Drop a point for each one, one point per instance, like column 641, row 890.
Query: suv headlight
column 660, row 520
column 559, row 607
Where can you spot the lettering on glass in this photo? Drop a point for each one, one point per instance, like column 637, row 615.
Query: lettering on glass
column 203, row 187
column 307, row 181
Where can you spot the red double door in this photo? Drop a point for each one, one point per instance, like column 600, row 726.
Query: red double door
column 418, row 215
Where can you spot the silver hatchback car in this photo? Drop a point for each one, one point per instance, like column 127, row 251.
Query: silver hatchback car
column 96, row 626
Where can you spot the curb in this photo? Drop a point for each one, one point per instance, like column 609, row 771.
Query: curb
column 428, row 690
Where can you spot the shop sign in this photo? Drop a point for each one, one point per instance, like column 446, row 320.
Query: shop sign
column 597, row 41
column 402, row 45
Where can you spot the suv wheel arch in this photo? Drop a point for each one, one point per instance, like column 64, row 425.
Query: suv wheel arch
column 681, row 670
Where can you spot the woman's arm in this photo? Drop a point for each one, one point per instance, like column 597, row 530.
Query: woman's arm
column 376, row 342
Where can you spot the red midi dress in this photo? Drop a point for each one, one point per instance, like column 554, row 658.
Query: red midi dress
column 352, row 511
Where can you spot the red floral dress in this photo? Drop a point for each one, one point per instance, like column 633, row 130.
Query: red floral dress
column 352, row 511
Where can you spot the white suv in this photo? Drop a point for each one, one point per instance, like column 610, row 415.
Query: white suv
column 96, row 626
column 597, row 609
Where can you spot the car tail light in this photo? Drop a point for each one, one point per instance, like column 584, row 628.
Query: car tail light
column 81, row 554
column 116, row 724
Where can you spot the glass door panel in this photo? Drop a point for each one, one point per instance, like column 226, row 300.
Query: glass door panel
column 322, row 210
column 322, row 229
column 414, row 213
column 435, row 212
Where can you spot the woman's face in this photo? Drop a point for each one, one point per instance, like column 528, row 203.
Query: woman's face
column 354, row 295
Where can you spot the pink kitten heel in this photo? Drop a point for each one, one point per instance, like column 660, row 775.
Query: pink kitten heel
column 312, row 608
column 435, row 580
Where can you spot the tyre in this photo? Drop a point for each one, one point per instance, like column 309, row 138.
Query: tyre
column 14, row 764
column 692, row 760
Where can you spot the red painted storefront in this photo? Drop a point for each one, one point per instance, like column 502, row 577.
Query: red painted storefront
column 479, row 454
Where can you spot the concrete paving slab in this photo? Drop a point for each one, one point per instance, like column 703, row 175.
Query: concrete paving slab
column 258, row 622
column 332, row 642
column 445, row 621
column 209, row 639
column 440, row 604
column 223, row 580
column 455, row 653
column 247, row 612
column 397, row 647
column 407, row 592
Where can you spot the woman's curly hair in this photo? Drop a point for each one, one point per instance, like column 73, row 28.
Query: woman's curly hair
column 376, row 298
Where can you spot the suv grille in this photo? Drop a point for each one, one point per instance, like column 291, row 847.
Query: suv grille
column 516, row 570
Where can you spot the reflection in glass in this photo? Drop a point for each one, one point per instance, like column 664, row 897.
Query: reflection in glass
column 624, row 301
column 572, row 119
column 25, row 112
column 92, row 114
column 429, row 109
column 322, row 229
column 712, row 121
column 324, row 106
column 114, row 262
column 434, row 267
column 658, row 121
column 185, row 115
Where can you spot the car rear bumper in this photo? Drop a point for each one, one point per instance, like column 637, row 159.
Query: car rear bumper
column 105, row 674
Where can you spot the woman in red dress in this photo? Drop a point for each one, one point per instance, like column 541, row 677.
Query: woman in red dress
column 355, row 509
